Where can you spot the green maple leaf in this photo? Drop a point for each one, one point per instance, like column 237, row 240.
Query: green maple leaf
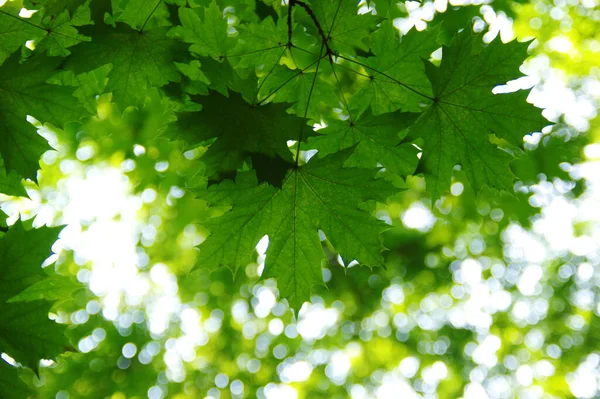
column 53, row 34
column 198, row 82
column 321, row 195
column 61, row 31
column 56, row 7
column 11, row 386
column 260, row 44
column 11, row 184
column 51, row 289
column 249, row 129
column 377, row 141
column 206, row 29
column 139, row 59
column 88, row 85
column 304, row 87
column 140, row 14
column 14, row 32
column 24, row 91
column 22, row 253
column 343, row 27
column 26, row 333
column 464, row 112
column 547, row 157
column 396, row 74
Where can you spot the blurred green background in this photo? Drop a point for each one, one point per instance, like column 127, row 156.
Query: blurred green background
column 482, row 296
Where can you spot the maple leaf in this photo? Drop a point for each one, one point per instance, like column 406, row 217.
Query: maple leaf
column 88, row 85
column 304, row 87
column 24, row 91
column 50, row 289
column 395, row 74
column 27, row 334
column 249, row 129
column 377, row 141
column 320, row 195
column 464, row 112
column 206, row 29
column 55, row 7
column 10, row 184
column 61, row 31
column 11, row 386
column 53, row 34
column 260, row 44
column 139, row 59
column 343, row 27
column 141, row 14
column 14, row 31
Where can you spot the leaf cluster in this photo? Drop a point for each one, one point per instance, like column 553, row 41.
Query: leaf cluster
column 307, row 114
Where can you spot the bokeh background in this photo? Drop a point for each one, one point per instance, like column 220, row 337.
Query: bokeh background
column 483, row 296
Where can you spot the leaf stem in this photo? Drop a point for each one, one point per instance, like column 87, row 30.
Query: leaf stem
column 386, row 75
column 312, row 86
column 149, row 16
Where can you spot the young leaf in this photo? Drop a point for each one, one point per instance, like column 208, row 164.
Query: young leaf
column 205, row 29
column 456, row 126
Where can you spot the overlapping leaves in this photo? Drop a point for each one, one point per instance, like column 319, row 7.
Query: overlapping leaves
column 248, row 92
column 321, row 195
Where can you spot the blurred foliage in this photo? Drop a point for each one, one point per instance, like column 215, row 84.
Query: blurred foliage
column 473, row 299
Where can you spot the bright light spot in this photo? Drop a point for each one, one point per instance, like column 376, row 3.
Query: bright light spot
column 25, row 13
column 276, row 327
column 338, row 368
column 457, row 188
column 296, row 372
column 485, row 353
column 418, row 217
column 221, row 380
column 280, row 391
column 409, row 366
column 316, row 320
column 129, row 350
column 525, row 375
column 528, row 282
